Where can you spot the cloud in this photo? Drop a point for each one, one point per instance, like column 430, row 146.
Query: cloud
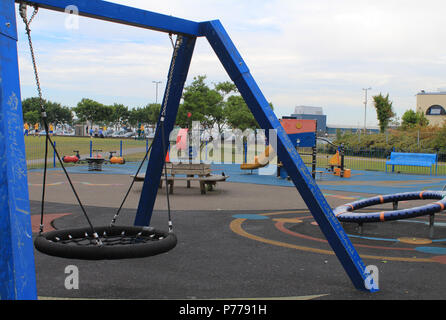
column 300, row 52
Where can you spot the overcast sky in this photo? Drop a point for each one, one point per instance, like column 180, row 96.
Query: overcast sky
column 315, row 53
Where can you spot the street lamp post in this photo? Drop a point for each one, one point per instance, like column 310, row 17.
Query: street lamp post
column 156, row 83
column 365, row 109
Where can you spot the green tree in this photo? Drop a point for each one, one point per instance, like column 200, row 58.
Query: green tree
column 409, row 119
column 137, row 116
column 119, row 114
column 219, row 115
column 384, row 111
column 238, row 114
column 422, row 120
column 225, row 88
column 92, row 111
column 59, row 114
column 153, row 113
column 56, row 113
column 200, row 103
column 145, row 115
column 32, row 117
column 412, row 119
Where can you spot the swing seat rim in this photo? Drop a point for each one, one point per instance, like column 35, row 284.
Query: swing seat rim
column 45, row 243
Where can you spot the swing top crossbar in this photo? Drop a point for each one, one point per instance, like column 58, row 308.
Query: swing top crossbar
column 117, row 13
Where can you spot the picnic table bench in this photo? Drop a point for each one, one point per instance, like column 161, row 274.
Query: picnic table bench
column 189, row 172
column 412, row 159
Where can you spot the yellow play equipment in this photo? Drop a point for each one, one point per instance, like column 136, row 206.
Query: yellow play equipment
column 260, row 161
column 337, row 167
column 335, row 161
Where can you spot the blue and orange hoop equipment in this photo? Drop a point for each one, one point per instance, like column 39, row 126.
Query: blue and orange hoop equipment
column 346, row 213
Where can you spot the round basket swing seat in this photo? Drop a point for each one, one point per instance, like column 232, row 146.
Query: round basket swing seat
column 117, row 242
column 346, row 213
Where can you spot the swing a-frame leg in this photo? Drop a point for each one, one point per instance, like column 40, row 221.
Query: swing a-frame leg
column 17, row 271
column 294, row 165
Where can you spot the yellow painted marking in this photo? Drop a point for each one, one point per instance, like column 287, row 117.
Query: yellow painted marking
column 236, row 227
column 417, row 241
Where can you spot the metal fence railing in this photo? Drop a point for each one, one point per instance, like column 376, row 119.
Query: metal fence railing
column 374, row 159
column 130, row 149
column 356, row 158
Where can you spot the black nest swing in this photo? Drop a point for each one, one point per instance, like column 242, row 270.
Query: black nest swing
column 116, row 242
column 99, row 243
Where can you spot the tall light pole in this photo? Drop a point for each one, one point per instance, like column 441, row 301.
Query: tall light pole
column 365, row 109
column 156, row 83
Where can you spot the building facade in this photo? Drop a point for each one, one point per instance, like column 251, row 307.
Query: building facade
column 311, row 113
column 433, row 106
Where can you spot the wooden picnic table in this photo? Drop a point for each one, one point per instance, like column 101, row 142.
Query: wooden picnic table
column 189, row 172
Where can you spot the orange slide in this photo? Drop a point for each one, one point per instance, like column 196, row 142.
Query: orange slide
column 259, row 161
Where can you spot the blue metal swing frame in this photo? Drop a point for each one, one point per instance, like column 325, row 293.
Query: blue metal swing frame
column 17, row 270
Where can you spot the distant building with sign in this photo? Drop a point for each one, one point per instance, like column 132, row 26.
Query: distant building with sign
column 324, row 129
column 311, row 113
column 433, row 105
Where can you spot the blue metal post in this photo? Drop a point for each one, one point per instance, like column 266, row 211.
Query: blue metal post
column 120, row 148
column 54, row 155
column 91, row 148
column 157, row 159
column 300, row 175
column 17, row 270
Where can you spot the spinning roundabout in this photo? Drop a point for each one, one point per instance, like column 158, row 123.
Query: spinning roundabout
column 402, row 240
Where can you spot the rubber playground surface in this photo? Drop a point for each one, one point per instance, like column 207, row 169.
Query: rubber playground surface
column 250, row 238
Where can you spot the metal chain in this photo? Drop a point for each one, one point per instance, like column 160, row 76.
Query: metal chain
column 23, row 14
column 177, row 46
column 172, row 68
column 171, row 41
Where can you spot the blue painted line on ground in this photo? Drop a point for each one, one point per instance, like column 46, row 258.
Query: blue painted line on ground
column 373, row 238
column 239, row 176
column 251, row 217
column 432, row 250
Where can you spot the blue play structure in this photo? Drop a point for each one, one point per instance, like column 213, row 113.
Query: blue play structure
column 302, row 140
column 413, row 159
column 17, row 270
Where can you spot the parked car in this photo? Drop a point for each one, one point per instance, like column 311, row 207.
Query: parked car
column 118, row 134
column 129, row 134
